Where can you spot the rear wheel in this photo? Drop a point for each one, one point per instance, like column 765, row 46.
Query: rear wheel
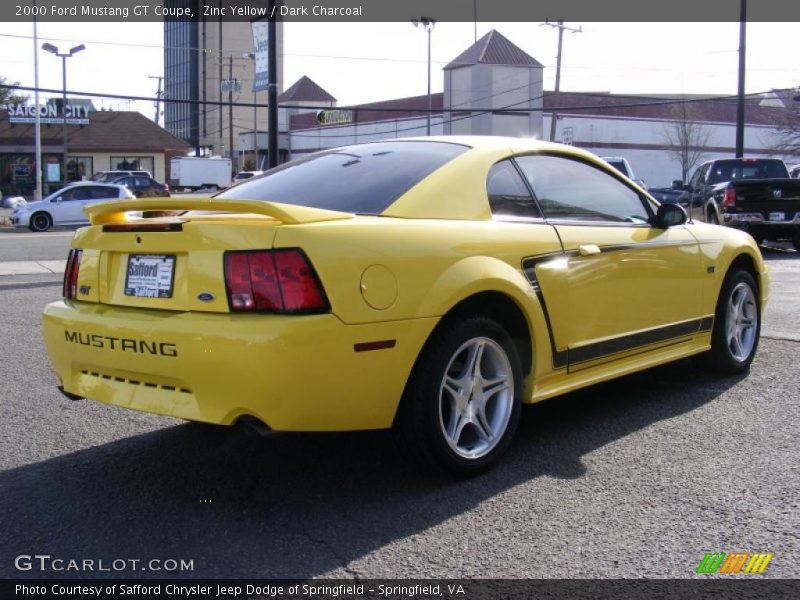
column 712, row 217
column 462, row 403
column 40, row 221
column 796, row 242
column 737, row 324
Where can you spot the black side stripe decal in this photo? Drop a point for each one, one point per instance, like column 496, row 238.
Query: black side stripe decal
column 564, row 358
column 639, row 339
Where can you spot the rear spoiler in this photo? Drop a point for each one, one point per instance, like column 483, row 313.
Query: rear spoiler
column 114, row 212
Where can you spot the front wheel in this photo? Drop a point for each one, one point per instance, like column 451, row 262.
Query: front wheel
column 40, row 221
column 796, row 242
column 462, row 402
column 737, row 324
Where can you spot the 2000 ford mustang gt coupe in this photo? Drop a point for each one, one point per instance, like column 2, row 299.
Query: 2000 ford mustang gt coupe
column 432, row 285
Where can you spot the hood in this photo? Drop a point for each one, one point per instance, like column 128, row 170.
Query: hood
column 31, row 206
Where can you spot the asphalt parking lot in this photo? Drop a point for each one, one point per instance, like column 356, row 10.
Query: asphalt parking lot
column 635, row 478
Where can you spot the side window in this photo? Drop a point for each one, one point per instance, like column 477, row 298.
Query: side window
column 143, row 182
column 78, row 193
column 508, row 194
column 97, row 192
column 570, row 189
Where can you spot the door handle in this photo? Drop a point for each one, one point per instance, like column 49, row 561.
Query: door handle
column 588, row 249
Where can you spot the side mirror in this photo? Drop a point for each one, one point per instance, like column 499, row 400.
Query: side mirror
column 677, row 184
column 57, row 199
column 669, row 215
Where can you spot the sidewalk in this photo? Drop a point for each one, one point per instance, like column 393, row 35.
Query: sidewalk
column 32, row 267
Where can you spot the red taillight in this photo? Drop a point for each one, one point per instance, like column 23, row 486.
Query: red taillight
column 730, row 197
column 281, row 281
column 70, row 287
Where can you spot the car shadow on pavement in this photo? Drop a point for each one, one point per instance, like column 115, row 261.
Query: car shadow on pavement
column 298, row 506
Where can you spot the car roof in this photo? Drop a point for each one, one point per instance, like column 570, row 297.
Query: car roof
column 460, row 185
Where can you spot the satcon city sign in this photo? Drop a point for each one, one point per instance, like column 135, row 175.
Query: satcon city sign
column 49, row 113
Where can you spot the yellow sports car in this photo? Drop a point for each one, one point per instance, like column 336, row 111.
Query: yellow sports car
column 432, row 285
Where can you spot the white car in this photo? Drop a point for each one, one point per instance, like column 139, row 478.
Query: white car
column 65, row 207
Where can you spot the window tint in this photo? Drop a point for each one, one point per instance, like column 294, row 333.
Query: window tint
column 80, row 193
column 97, row 192
column 570, row 189
column 365, row 178
column 727, row 170
column 143, row 182
column 508, row 194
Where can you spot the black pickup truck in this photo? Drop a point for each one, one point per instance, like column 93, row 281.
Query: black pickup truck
column 753, row 194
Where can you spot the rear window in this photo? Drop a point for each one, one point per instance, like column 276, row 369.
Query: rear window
column 728, row 170
column 363, row 179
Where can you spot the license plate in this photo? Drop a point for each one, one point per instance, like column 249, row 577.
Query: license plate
column 150, row 276
column 777, row 216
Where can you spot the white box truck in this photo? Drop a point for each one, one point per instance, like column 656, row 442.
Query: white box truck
column 195, row 172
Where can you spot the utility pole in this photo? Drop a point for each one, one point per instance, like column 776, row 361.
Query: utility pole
column 230, row 107
column 740, row 99
column 158, row 95
column 561, row 27
column 272, row 91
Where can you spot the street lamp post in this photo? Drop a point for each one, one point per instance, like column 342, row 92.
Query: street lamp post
column 64, row 56
column 252, row 57
column 428, row 24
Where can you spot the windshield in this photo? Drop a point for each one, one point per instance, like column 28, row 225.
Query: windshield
column 364, row 178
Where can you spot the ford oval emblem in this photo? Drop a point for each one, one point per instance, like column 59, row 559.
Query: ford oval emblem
column 205, row 296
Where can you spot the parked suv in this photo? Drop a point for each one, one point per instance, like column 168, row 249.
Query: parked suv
column 109, row 176
column 143, row 186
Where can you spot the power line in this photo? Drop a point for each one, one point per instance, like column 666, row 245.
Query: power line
column 661, row 102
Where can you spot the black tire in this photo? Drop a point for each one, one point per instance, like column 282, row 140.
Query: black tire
column 796, row 242
column 40, row 221
column 426, row 405
column 712, row 218
column 724, row 356
column 212, row 188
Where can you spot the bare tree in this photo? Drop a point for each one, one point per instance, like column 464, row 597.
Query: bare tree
column 686, row 137
column 788, row 125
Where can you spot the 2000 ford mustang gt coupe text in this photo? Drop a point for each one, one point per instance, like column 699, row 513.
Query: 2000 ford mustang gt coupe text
column 432, row 285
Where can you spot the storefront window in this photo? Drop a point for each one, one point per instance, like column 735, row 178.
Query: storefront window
column 79, row 168
column 132, row 163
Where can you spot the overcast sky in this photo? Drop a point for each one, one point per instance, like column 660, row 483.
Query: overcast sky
column 368, row 62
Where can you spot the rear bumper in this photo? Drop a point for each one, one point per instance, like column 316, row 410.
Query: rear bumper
column 755, row 223
column 294, row 373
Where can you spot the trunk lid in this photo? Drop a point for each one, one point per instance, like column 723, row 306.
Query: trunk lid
column 175, row 262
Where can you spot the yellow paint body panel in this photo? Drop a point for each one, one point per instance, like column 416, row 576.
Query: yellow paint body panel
column 387, row 278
